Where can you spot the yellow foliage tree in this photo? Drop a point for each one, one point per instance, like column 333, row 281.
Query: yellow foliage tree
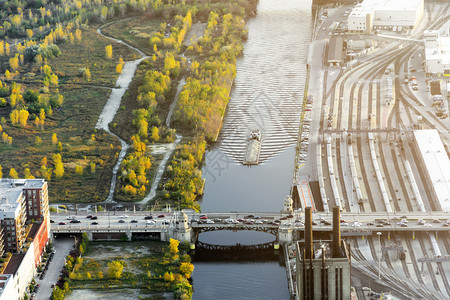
column 78, row 35
column 27, row 174
column 13, row 174
column 108, row 51
column 59, row 167
column 54, row 139
column 186, row 269
column 115, row 269
column 8, row 74
column 29, row 33
column 53, row 79
column 23, row 117
column 119, row 68
column 14, row 117
column 79, row 170
column 173, row 246
column 155, row 134
column 14, row 62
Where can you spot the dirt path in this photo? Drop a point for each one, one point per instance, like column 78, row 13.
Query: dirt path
column 113, row 104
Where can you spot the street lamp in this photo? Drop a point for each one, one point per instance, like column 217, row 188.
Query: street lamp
column 379, row 257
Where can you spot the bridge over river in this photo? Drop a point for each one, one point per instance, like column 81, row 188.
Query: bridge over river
column 285, row 227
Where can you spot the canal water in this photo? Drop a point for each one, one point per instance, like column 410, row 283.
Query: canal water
column 267, row 95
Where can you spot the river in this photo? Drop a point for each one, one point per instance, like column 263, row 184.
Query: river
column 267, row 95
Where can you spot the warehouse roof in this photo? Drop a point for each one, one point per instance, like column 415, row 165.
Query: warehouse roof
column 437, row 164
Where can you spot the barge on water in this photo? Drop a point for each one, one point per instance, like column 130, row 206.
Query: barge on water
column 253, row 148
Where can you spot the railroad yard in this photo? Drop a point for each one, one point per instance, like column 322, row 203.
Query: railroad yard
column 362, row 143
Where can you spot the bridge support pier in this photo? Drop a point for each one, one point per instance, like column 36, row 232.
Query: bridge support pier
column 285, row 235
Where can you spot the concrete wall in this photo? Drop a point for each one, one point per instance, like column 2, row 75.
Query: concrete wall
column 25, row 272
column 395, row 18
column 8, row 292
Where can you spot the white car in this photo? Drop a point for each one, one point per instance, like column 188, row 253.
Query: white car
column 150, row 222
column 209, row 221
column 124, row 216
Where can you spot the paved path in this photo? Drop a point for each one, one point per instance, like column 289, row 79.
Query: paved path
column 62, row 247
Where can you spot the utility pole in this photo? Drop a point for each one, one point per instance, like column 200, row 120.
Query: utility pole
column 379, row 257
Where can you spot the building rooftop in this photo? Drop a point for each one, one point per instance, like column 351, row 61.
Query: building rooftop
column 10, row 193
column 437, row 164
column 14, row 263
column 3, row 281
column 370, row 6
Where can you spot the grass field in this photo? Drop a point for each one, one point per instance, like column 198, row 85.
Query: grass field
column 135, row 31
column 73, row 123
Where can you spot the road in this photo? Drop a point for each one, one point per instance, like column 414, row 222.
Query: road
column 62, row 247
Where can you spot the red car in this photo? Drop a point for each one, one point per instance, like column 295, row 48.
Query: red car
column 204, row 217
column 161, row 216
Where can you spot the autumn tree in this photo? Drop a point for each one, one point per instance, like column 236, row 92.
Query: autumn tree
column 27, row 174
column 54, row 139
column 79, row 170
column 13, row 174
column 186, row 269
column 115, row 269
column 78, row 35
column 155, row 134
column 59, row 166
column 1, row 173
column 29, row 33
column 173, row 246
column 14, row 62
column 108, row 51
column 23, row 117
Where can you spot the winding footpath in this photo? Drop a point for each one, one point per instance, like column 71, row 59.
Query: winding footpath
column 111, row 107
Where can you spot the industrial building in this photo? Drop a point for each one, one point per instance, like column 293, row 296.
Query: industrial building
column 435, row 163
column 385, row 14
column 323, row 267
column 437, row 53
column 24, row 232
column 336, row 51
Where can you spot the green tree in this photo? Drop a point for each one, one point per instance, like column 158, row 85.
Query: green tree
column 115, row 269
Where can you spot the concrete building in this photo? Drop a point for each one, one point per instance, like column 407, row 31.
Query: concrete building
column 385, row 14
column 25, row 229
column 21, row 200
column 437, row 53
column 336, row 51
column 7, row 290
column 323, row 267
column 435, row 163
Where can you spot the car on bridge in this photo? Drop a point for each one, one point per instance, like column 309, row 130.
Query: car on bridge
column 62, row 223
column 121, row 221
column 94, row 223
column 134, row 221
column 75, row 221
